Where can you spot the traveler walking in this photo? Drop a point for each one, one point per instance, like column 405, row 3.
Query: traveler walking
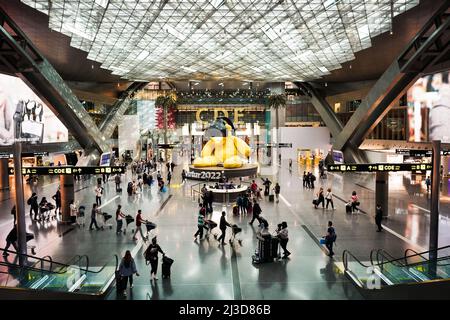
column 277, row 189
column 13, row 212
column 312, row 178
column 330, row 238
column 355, row 202
column 267, row 184
column 290, row 165
column 94, row 213
column 305, row 180
column 378, row 217
column 428, row 183
column 183, row 176
column 139, row 221
column 119, row 219
column 127, row 268
column 73, row 212
column 282, row 234
column 329, row 198
column 98, row 195
column 200, row 223
column 245, row 202
column 11, row 239
column 33, row 202
column 57, row 198
column 151, row 255
column 223, row 224
column 117, row 180
column 169, row 177
column 320, row 199
column 256, row 212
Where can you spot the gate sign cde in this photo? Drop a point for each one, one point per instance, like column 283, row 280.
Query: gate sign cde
column 69, row 170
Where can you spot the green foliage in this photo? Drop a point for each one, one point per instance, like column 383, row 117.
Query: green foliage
column 277, row 101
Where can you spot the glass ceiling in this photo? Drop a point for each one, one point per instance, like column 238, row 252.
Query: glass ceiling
column 266, row 40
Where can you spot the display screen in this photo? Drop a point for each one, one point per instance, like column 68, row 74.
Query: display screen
column 338, row 156
column 429, row 108
column 105, row 159
column 39, row 124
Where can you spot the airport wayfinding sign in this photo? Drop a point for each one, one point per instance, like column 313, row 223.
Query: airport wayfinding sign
column 49, row 171
column 379, row 167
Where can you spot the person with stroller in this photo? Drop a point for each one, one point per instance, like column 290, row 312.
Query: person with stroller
column 44, row 207
column 127, row 268
column 151, row 255
column 119, row 219
column 223, row 227
column 57, row 198
column 34, row 206
column 320, row 199
column 94, row 213
column 256, row 212
column 139, row 222
column 354, row 202
column 200, row 222
column 282, row 234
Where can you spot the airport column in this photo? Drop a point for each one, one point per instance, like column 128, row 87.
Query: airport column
column 434, row 210
column 67, row 195
column 18, row 182
column 382, row 191
column 4, row 174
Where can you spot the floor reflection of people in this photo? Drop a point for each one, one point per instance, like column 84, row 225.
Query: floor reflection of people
column 329, row 274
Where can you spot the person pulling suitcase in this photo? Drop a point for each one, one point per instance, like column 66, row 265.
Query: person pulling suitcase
column 151, row 256
column 125, row 273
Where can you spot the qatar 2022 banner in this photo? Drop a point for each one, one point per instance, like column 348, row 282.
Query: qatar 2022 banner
column 39, row 124
column 429, row 108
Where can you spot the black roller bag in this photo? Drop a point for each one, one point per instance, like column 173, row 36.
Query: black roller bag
column 271, row 198
column 166, row 265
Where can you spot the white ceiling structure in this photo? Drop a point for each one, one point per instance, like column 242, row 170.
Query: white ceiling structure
column 266, row 40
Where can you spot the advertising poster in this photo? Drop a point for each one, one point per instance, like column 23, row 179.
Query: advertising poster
column 39, row 124
column 429, row 108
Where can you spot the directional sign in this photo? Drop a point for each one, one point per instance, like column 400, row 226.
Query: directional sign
column 166, row 145
column 377, row 167
column 68, row 170
column 276, row 145
column 419, row 153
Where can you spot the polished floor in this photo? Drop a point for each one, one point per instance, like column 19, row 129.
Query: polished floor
column 205, row 270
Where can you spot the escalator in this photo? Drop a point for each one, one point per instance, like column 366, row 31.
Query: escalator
column 413, row 276
column 43, row 278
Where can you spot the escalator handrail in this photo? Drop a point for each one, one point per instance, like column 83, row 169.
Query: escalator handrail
column 415, row 252
column 390, row 258
column 53, row 262
column 414, row 255
column 345, row 255
column 13, row 265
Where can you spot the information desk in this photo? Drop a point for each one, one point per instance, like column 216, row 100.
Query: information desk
column 227, row 195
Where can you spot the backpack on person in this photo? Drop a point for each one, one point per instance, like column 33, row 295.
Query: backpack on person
column 29, row 201
column 333, row 235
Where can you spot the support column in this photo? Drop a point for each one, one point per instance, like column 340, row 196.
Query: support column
column 382, row 192
column 434, row 210
column 4, row 174
column 67, row 195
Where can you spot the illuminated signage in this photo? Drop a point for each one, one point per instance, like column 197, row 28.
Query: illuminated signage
column 69, row 170
column 237, row 112
column 380, row 167
column 204, row 175
column 276, row 145
column 420, row 153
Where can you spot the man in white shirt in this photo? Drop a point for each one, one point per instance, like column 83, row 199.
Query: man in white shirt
column 98, row 195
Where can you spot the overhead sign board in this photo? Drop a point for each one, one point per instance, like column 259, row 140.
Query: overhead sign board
column 420, row 153
column 276, row 145
column 380, row 167
column 69, row 170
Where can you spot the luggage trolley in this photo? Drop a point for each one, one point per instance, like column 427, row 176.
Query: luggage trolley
column 235, row 229
column 128, row 220
column 45, row 212
column 104, row 220
column 149, row 226
column 209, row 226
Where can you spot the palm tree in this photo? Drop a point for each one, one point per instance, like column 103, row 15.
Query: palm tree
column 276, row 102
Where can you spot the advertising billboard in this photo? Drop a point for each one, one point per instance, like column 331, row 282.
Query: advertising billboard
column 39, row 124
column 429, row 108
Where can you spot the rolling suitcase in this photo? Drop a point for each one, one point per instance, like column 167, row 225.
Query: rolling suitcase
column 266, row 193
column 274, row 248
column 235, row 210
column 348, row 208
column 166, row 265
column 119, row 190
column 271, row 198
column 120, row 282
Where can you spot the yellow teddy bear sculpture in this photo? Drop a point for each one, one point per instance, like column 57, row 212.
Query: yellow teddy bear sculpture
column 223, row 150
